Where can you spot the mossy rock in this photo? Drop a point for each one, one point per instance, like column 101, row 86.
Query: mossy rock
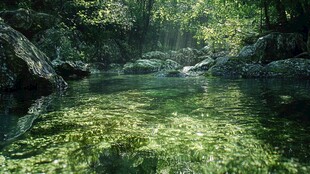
column 289, row 68
column 155, row 55
column 23, row 65
column 28, row 21
column 228, row 67
column 146, row 66
column 71, row 69
column 273, row 47
column 253, row 70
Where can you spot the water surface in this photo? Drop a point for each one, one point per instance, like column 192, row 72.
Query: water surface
column 144, row 124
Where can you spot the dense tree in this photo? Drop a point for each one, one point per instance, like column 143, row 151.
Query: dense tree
column 144, row 25
column 141, row 11
column 220, row 23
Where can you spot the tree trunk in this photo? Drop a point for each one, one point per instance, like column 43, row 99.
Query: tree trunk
column 146, row 7
column 266, row 12
column 308, row 42
column 302, row 7
column 282, row 19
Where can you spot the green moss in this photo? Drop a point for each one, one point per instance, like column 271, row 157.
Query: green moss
column 152, row 125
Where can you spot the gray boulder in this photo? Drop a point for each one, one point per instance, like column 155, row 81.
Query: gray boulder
column 156, row 55
column 23, row 66
column 247, row 52
column 236, row 67
column 186, row 56
column 272, row 47
column 253, row 70
column 200, row 68
column 145, row 66
column 71, row 69
column 206, row 50
column 289, row 68
column 28, row 22
column 205, row 65
column 227, row 67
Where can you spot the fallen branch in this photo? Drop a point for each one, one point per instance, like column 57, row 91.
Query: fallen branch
column 303, row 55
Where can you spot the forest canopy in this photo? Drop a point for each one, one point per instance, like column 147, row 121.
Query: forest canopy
column 138, row 26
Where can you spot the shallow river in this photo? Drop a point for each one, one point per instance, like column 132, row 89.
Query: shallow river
column 144, row 124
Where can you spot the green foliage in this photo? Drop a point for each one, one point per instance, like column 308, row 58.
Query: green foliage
column 104, row 14
column 26, row 4
column 62, row 42
column 222, row 24
column 147, row 25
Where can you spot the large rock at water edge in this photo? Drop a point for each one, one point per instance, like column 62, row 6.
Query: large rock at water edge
column 272, row 47
column 201, row 67
column 22, row 65
column 289, row 68
column 71, row 69
column 236, row 67
column 145, row 66
column 227, row 66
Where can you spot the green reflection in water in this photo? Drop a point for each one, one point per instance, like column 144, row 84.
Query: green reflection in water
column 142, row 124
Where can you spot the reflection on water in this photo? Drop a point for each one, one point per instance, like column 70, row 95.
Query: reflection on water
column 143, row 124
column 18, row 110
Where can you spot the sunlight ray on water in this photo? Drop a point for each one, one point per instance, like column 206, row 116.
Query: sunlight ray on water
column 142, row 124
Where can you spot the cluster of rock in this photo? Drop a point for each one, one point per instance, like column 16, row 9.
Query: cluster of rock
column 169, row 64
column 24, row 66
column 274, row 55
column 185, row 56
column 145, row 66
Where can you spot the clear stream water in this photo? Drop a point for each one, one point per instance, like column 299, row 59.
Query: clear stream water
column 144, row 124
